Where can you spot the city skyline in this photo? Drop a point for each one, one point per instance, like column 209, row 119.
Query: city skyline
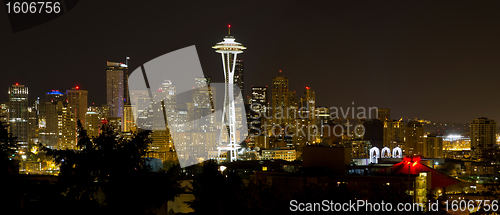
column 139, row 108
column 423, row 68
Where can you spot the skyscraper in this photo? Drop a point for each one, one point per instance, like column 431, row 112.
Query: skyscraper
column 229, row 49
column 433, row 147
column 203, row 105
column 279, row 100
column 414, row 138
column 49, row 120
column 384, row 114
column 394, row 133
column 238, row 76
column 92, row 123
column 18, row 114
column 77, row 100
column 116, row 93
column 4, row 112
column 482, row 136
column 259, row 99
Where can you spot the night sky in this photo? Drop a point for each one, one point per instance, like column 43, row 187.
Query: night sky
column 434, row 60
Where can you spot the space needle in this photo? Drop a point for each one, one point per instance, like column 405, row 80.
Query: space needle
column 229, row 49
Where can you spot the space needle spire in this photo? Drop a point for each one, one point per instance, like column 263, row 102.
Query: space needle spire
column 229, row 49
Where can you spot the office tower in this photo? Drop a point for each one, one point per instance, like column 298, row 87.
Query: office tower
column 94, row 118
column 433, row 147
column 116, row 88
column 279, row 100
column 414, row 138
column 168, row 99
column 92, row 123
column 203, row 105
column 238, row 76
column 181, row 120
column 483, row 136
column 102, row 110
column 32, row 123
column 259, row 99
column 293, row 105
column 394, row 133
column 384, row 114
column 306, row 119
column 307, row 106
column 229, row 49
column 77, row 100
column 48, row 118
column 18, row 115
column 4, row 112
column 257, row 110
column 128, row 119
column 60, row 129
column 67, row 126
column 322, row 115
column 161, row 143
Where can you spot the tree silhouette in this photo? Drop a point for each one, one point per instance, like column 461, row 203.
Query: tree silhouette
column 9, row 191
column 8, row 145
column 110, row 172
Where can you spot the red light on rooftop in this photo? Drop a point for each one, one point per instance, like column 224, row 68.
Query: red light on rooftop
column 17, row 84
column 77, row 87
column 281, row 71
column 308, row 88
column 228, row 26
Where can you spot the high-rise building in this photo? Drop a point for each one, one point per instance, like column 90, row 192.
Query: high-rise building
column 394, row 133
column 94, row 118
column 482, row 135
column 128, row 118
column 4, row 112
column 307, row 106
column 116, row 89
column 433, row 147
column 384, row 114
column 306, row 120
column 257, row 110
column 92, row 123
column 203, row 106
column 67, row 126
column 238, row 76
column 414, row 138
column 279, row 100
column 229, row 49
column 60, row 131
column 32, row 123
column 48, row 118
column 259, row 99
column 77, row 100
column 18, row 115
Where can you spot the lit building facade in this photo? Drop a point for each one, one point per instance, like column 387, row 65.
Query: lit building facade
column 414, row 138
column 279, row 99
column 283, row 153
column 394, row 133
column 18, row 115
column 116, row 93
column 433, row 147
column 77, row 100
column 483, row 131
